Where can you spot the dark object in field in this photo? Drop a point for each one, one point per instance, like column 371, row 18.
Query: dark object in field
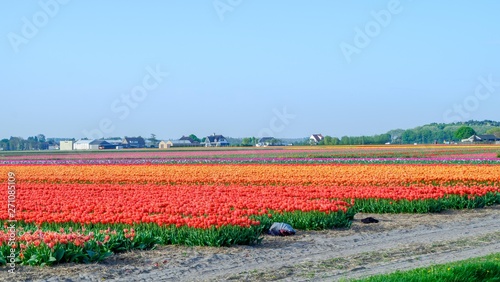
column 369, row 220
column 281, row 229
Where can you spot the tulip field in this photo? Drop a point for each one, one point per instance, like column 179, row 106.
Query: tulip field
column 85, row 207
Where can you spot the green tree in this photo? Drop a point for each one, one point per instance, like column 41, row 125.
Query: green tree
column 464, row 132
column 275, row 141
column 31, row 143
column 395, row 135
column 41, row 138
column 4, row 144
column 152, row 138
column 327, row 140
column 247, row 141
column 345, row 140
column 16, row 143
column 194, row 138
column 495, row 131
column 409, row 136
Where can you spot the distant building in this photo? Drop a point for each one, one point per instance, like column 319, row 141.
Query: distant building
column 189, row 139
column 82, row 145
column 133, row 142
column 488, row 138
column 163, row 145
column 268, row 141
column 179, row 143
column 96, row 144
column 101, row 145
column 115, row 142
column 216, row 141
column 53, row 147
column 315, row 139
column 184, row 141
column 66, row 145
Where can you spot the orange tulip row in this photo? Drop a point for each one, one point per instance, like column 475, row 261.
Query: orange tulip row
column 263, row 174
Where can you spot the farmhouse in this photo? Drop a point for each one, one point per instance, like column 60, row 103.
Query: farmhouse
column 216, row 141
column 268, row 141
column 315, row 139
column 488, row 138
column 133, row 142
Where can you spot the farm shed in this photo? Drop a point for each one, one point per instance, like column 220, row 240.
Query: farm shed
column 176, row 143
column 179, row 143
column 100, row 145
column 164, row 145
column 66, row 145
column 133, row 142
column 82, row 145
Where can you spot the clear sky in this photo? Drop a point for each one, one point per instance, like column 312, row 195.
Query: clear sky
column 245, row 68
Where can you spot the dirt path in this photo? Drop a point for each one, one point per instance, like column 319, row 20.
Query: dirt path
column 397, row 242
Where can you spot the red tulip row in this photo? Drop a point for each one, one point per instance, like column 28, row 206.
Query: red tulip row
column 194, row 206
column 201, row 206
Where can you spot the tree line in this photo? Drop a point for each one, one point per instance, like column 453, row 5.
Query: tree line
column 419, row 135
column 427, row 134
column 38, row 142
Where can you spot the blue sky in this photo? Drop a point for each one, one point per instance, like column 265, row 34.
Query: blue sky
column 245, row 68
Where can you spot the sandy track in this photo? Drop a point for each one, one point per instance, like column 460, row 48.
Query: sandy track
column 398, row 241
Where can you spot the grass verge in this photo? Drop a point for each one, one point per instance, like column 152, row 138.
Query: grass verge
column 477, row 269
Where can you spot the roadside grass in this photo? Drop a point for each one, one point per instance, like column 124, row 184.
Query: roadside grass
column 485, row 268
